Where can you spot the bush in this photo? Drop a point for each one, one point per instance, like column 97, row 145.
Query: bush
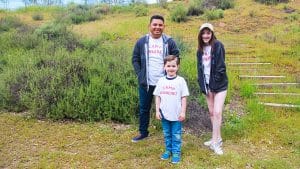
column 141, row 10
column 247, row 90
column 214, row 14
column 179, row 14
column 37, row 17
column 82, row 13
column 9, row 22
column 292, row 17
column 196, row 8
column 225, row 4
column 103, row 9
column 183, row 46
column 163, row 3
column 58, row 33
column 58, row 84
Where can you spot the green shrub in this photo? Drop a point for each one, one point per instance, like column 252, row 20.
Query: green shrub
column 247, row 90
column 82, row 13
column 214, row 14
column 234, row 127
column 37, row 17
column 9, row 22
column 90, row 44
column 76, row 85
column 183, row 46
column 141, row 10
column 225, row 4
column 195, row 8
column 25, row 39
column 163, row 3
column 292, row 17
column 103, row 9
column 179, row 14
column 58, row 33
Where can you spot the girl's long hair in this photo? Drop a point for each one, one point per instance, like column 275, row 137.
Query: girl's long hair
column 201, row 44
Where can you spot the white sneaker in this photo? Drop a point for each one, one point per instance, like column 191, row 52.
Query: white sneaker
column 216, row 148
column 208, row 143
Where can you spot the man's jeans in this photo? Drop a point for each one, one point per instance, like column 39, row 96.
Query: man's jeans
column 172, row 135
column 145, row 106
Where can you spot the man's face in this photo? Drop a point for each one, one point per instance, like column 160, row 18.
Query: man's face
column 156, row 28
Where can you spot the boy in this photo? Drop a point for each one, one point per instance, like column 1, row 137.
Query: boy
column 171, row 101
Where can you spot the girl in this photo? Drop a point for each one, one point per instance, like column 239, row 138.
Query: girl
column 213, row 80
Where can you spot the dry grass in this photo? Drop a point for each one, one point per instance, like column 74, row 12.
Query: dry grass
column 271, row 143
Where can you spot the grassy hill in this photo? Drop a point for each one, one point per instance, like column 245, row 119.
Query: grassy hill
column 255, row 136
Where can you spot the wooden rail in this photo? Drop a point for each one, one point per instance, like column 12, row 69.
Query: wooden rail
column 280, row 105
column 249, row 63
column 276, row 84
column 285, row 94
column 265, row 76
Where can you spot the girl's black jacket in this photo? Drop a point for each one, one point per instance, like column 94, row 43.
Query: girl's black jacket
column 218, row 80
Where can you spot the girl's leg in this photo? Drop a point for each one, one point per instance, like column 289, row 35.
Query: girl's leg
column 210, row 105
column 219, row 99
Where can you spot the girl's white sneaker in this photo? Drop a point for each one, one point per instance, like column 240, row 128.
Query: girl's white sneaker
column 216, row 148
column 208, row 143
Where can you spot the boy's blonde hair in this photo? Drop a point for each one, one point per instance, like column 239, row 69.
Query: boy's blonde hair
column 170, row 58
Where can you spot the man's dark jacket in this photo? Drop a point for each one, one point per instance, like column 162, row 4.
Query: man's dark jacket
column 140, row 56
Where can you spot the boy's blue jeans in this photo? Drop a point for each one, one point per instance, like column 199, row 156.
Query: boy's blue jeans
column 145, row 98
column 172, row 135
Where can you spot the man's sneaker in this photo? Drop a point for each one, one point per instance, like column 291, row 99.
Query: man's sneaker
column 216, row 148
column 166, row 155
column 208, row 143
column 139, row 138
column 175, row 158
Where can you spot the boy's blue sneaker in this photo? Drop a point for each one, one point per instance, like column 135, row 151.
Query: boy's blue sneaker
column 166, row 155
column 139, row 138
column 175, row 158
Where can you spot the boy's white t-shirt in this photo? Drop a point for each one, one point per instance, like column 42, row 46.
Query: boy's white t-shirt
column 156, row 60
column 170, row 92
column 206, row 60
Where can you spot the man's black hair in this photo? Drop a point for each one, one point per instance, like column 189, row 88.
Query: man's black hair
column 157, row 17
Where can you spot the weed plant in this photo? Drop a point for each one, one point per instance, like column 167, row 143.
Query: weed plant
column 141, row 10
column 214, row 14
column 196, row 8
column 179, row 14
column 225, row 4
column 37, row 17
column 9, row 22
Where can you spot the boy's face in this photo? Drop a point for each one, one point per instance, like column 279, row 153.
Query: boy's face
column 171, row 68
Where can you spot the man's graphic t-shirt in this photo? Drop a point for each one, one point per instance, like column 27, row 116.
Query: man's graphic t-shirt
column 156, row 62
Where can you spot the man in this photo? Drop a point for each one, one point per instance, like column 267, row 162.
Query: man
column 147, row 60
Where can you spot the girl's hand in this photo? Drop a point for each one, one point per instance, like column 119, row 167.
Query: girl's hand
column 182, row 117
column 158, row 116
